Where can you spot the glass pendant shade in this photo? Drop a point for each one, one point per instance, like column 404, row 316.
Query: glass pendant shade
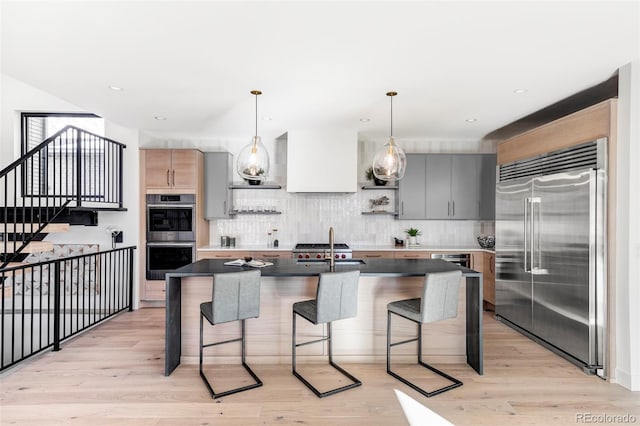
column 253, row 161
column 390, row 162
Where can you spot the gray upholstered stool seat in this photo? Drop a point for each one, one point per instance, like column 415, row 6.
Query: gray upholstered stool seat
column 307, row 309
column 439, row 301
column 409, row 308
column 235, row 297
column 336, row 299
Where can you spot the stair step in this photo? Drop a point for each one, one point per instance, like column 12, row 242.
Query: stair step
column 32, row 247
column 28, row 227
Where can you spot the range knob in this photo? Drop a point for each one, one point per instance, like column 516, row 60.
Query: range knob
column 306, row 256
column 337, row 256
column 318, row 256
column 344, row 256
column 299, row 256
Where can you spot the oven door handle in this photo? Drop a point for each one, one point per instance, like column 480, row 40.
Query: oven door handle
column 167, row 244
column 173, row 206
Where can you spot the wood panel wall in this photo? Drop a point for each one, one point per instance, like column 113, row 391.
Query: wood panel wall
column 582, row 126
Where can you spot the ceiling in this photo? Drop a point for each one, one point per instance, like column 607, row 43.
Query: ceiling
column 319, row 64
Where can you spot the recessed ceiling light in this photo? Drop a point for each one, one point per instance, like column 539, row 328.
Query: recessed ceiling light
column 520, row 91
column 116, row 88
column 266, row 118
column 160, row 118
column 365, row 120
column 471, row 120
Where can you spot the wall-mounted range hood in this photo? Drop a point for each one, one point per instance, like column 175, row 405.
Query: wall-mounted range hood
column 321, row 160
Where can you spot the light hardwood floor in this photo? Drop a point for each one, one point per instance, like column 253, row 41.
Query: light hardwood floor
column 113, row 374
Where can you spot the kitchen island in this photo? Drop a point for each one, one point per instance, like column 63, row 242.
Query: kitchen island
column 360, row 338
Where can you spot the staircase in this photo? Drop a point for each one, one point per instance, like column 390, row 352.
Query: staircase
column 63, row 181
column 48, row 292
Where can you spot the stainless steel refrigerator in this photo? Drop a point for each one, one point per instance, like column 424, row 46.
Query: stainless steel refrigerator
column 550, row 251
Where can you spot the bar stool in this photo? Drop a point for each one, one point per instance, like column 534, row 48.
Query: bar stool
column 336, row 299
column 439, row 302
column 235, row 297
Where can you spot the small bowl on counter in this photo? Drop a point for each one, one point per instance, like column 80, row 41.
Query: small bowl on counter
column 487, row 241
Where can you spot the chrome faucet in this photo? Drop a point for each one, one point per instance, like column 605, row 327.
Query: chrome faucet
column 332, row 259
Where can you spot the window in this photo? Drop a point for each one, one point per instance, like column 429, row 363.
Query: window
column 48, row 173
column 37, row 126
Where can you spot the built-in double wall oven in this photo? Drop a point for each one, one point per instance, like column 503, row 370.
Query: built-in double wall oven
column 171, row 237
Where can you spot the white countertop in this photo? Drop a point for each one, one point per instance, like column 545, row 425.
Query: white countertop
column 436, row 248
column 372, row 247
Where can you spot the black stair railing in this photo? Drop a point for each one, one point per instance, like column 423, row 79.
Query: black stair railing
column 72, row 168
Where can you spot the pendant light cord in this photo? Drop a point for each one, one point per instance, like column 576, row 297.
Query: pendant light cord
column 256, row 115
column 391, row 115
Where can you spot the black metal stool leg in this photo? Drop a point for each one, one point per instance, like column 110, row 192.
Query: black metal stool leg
column 455, row 382
column 319, row 394
column 242, row 339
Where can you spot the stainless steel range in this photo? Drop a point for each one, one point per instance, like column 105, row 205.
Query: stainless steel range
column 321, row 251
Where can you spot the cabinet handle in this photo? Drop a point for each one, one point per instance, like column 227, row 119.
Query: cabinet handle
column 448, row 208
column 168, row 182
column 402, row 208
column 173, row 177
column 373, row 255
column 453, row 209
column 224, row 207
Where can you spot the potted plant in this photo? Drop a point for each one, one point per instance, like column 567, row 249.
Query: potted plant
column 259, row 172
column 371, row 177
column 413, row 234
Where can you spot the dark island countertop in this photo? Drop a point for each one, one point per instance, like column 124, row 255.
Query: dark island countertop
column 294, row 268
column 286, row 268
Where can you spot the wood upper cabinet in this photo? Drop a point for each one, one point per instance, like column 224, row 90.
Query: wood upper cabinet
column 448, row 186
column 171, row 168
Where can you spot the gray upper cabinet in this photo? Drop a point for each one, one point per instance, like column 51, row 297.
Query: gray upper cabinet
column 448, row 186
column 411, row 199
column 218, row 173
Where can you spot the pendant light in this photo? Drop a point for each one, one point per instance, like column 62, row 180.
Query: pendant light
column 253, row 159
column 390, row 162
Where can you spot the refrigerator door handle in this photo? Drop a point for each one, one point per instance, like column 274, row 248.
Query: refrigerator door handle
column 535, row 252
column 525, row 232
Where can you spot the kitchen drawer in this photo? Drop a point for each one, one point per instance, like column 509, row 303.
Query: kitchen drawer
column 373, row 255
column 271, row 254
column 155, row 290
column 223, row 254
column 412, row 255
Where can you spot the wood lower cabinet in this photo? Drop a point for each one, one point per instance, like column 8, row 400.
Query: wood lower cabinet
column 256, row 254
column 486, row 263
column 372, row 254
column 412, row 254
column 489, row 280
column 271, row 254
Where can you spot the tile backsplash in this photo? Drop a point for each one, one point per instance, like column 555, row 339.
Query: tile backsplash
column 306, row 217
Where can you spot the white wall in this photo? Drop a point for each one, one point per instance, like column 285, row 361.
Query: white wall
column 17, row 97
column 627, row 290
